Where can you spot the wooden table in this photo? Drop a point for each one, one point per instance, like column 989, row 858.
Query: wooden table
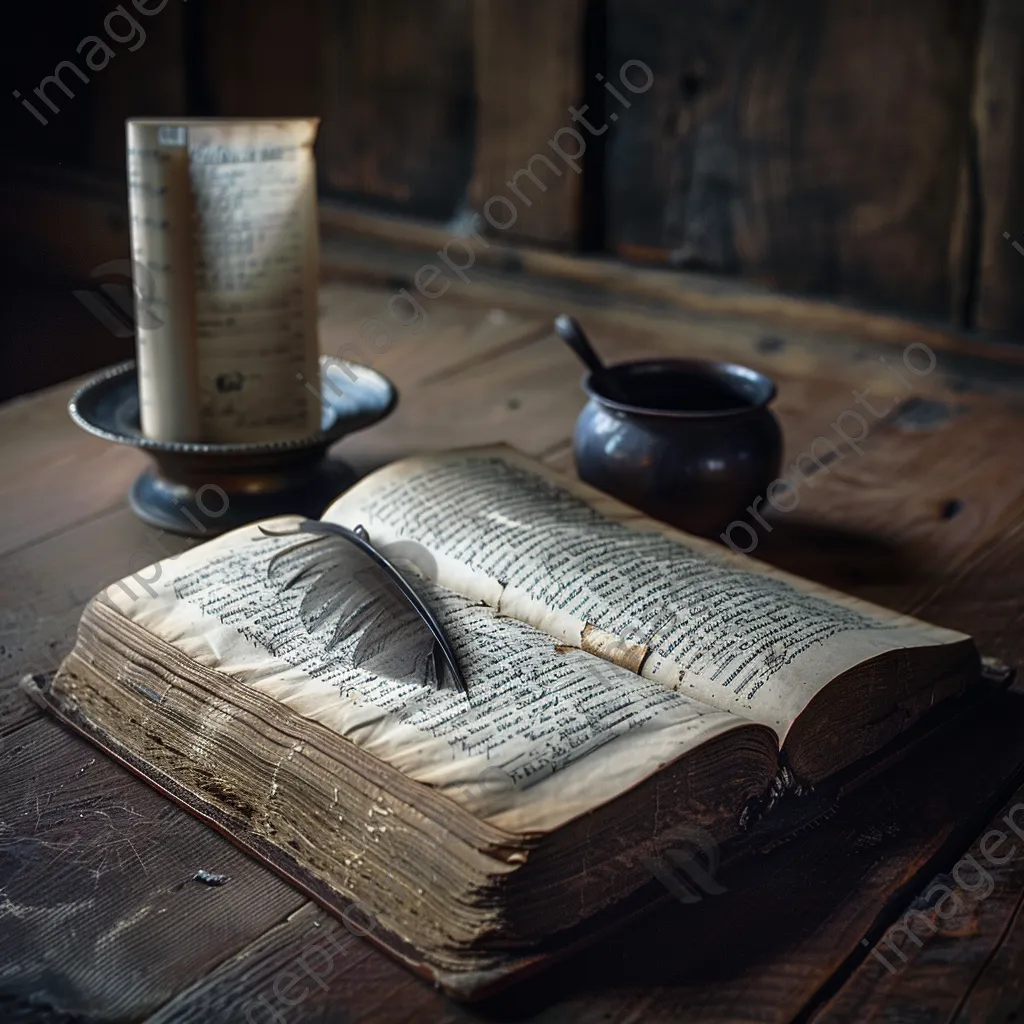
column 99, row 916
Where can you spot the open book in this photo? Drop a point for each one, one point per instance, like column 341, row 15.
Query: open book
column 625, row 680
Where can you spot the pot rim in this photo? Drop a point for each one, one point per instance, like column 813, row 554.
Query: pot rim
column 764, row 394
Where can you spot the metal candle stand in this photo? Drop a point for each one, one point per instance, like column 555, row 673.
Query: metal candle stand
column 200, row 489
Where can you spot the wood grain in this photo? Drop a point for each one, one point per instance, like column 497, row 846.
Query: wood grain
column 98, row 875
column 796, row 142
column 681, row 139
column 999, row 123
column 53, row 474
column 984, row 593
column 705, row 295
column 878, row 522
column 48, row 583
column 963, row 962
column 343, row 980
column 866, row 151
column 398, row 103
column 518, row 114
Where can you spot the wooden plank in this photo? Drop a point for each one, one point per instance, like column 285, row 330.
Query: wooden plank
column 398, row 103
column 716, row 323
column 53, row 474
column 465, row 361
column 610, row 283
column 957, row 954
column 46, row 586
column 876, row 207
column 985, row 595
column 968, row 968
column 800, row 136
column 802, row 913
column 416, row 343
column 997, row 993
column 999, row 123
column 263, row 59
column 529, row 72
column 879, row 520
column 100, row 915
column 341, row 979
column 679, row 139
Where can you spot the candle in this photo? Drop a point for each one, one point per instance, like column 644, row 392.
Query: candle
column 225, row 251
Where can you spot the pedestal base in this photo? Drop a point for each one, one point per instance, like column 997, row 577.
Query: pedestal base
column 212, row 509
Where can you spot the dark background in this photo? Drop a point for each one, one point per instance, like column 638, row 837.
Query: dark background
column 867, row 151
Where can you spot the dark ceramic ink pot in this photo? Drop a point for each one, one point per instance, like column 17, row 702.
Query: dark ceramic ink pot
column 689, row 442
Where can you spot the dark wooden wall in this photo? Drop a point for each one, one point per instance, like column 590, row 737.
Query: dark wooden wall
column 867, row 150
column 814, row 144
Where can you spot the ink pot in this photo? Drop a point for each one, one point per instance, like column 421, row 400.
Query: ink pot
column 689, row 442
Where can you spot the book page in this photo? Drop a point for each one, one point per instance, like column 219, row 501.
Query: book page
column 545, row 734
column 224, row 233
column 592, row 572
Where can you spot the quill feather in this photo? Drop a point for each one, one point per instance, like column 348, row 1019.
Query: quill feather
column 350, row 590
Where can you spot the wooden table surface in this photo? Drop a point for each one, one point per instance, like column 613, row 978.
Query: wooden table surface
column 99, row 917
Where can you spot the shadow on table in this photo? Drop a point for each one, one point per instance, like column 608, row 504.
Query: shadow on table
column 840, row 558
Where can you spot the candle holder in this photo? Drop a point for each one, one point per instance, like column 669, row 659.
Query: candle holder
column 201, row 490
